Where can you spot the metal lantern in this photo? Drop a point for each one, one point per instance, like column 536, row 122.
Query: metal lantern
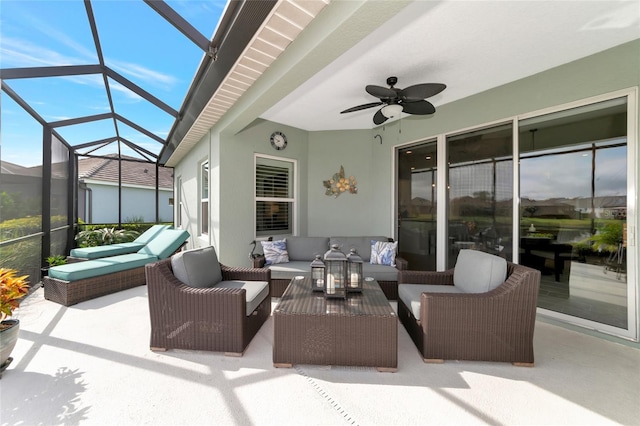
column 354, row 271
column 317, row 274
column 335, row 283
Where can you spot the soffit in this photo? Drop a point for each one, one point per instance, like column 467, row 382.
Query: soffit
column 285, row 22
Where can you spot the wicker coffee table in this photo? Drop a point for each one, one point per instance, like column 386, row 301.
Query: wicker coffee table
column 359, row 331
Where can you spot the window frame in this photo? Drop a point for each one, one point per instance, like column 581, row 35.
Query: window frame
column 293, row 189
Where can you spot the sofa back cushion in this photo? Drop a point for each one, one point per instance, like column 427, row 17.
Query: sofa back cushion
column 198, row 267
column 361, row 244
column 478, row 272
column 306, row 248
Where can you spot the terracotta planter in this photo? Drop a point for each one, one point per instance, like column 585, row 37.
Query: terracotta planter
column 8, row 339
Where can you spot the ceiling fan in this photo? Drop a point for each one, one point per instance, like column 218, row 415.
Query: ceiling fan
column 410, row 100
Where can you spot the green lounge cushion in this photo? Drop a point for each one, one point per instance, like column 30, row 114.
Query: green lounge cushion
column 150, row 234
column 166, row 243
column 105, row 251
column 93, row 268
column 119, row 248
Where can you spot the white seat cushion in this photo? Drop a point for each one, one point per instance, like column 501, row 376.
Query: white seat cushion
column 257, row 291
column 410, row 294
column 478, row 272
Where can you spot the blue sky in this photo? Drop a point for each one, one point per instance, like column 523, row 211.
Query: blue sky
column 136, row 42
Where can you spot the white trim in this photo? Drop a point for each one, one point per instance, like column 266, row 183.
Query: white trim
column 441, row 203
column 203, row 235
column 515, row 219
column 295, row 190
column 124, row 185
column 579, row 103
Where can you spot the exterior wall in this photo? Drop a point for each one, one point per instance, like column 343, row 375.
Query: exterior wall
column 364, row 213
column 188, row 170
column 136, row 202
column 237, row 185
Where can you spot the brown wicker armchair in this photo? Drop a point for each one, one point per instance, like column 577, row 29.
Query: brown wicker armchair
column 497, row 325
column 210, row 319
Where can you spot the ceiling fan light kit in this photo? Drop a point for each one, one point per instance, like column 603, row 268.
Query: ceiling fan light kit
column 391, row 111
column 410, row 100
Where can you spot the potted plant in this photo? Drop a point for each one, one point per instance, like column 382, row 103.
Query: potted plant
column 56, row 260
column 12, row 290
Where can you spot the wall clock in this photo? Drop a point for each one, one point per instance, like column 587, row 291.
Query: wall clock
column 278, row 140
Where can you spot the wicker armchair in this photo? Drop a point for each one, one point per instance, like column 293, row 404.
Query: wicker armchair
column 497, row 325
column 210, row 319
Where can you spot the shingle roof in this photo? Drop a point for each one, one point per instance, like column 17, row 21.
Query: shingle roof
column 133, row 172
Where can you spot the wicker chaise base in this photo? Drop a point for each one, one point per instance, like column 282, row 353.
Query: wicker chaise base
column 69, row 293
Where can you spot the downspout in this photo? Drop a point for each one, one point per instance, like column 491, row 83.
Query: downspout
column 88, row 201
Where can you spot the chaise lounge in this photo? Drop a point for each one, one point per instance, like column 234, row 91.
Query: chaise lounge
column 88, row 253
column 76, row 282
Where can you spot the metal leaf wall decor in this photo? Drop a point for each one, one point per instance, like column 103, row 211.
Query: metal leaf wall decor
column 339, row 184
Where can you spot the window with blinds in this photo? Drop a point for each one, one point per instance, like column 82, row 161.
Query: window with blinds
column 274, row 196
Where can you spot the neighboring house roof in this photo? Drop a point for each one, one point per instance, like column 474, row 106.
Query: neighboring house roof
column 15, row 169
column 133, row 172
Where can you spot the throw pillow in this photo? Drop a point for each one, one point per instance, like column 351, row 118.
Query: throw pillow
column 383, row 253
column 275, row 251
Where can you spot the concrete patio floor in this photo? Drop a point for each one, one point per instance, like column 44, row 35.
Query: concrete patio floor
column 91, row 364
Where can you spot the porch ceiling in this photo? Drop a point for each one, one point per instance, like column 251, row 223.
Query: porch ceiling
column 471, row 46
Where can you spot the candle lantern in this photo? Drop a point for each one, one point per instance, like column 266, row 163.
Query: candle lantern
column 335, row 283
column 317, row 274
column 354, row 271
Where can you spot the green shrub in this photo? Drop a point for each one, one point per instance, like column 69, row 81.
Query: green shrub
column 105, row 236
column 16, row 228
column 56, row 260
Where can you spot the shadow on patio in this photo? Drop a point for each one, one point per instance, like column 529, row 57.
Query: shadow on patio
column 91, row 363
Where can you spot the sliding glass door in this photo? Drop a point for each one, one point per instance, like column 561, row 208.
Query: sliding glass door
column 480, row 192
column 573, row 215
column 417, row 184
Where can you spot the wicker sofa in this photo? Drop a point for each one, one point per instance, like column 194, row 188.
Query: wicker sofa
column 483, row 310
column 199, row 304
column 302, row 251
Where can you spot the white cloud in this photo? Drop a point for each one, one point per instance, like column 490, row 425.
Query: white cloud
column 154, row 78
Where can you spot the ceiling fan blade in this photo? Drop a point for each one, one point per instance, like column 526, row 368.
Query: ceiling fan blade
column 361, row 107
column 381, row 92
column 379, row 118
column 421, row 91
column 418, row 108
